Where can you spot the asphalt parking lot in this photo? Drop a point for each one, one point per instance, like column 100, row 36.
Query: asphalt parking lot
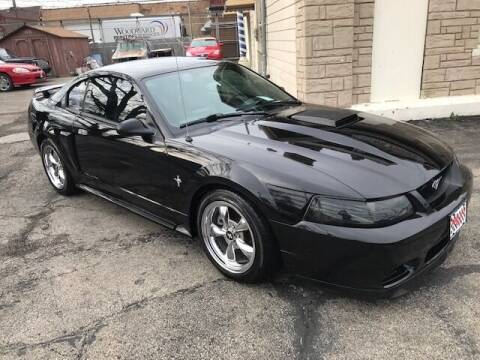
column 81, row 278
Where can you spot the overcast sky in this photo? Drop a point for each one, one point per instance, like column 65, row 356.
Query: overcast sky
column 5, row 4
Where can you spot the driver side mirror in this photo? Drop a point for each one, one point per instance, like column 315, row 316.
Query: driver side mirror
column 135, row 127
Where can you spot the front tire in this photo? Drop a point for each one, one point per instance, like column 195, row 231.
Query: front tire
column 235, row 237
column 6, row 83
column 54, row 166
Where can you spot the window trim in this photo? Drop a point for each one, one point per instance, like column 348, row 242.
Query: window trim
column 67, row 95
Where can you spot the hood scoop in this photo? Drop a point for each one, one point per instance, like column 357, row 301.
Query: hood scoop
column 337, row 118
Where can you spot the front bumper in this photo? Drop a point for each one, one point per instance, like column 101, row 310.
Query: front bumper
column 373, row 260
column 29, row 78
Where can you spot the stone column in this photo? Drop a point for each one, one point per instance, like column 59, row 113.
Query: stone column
column 325, row 41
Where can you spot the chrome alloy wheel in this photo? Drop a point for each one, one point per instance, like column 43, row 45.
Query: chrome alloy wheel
column 228, row 237
column 5, row 83
column 54, row 167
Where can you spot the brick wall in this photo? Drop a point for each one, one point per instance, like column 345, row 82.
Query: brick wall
column 453, row 32
column 334, row 46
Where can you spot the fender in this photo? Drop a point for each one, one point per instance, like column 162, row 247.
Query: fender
column 274, row 202
column 43, row 123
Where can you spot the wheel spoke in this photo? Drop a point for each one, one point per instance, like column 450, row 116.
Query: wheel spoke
column 52, row 159
column 246, row 249
column 241, row 225
column 224, row 216
column 47, row 161
column 231, row 251
column 61, row 174
column 216, row 231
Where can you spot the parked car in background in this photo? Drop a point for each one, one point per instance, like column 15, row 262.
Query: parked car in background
column 9, row 57
column 207, row 47
column 18, row 75
column 132, row 48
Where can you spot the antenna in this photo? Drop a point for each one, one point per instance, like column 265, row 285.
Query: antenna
column 187, row 137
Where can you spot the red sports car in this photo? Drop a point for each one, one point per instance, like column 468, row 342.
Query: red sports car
column 12, row 74
column 207, row 47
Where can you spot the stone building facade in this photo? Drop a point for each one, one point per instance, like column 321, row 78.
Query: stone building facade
column 334, row 42
column 334, row 45
column 452, row 49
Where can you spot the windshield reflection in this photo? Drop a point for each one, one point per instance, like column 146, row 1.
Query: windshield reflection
column 192, row 94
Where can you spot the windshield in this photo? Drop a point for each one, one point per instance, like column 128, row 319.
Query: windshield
column 221, row 89
column 203, row 42
column 5, row 54
column 131, row 45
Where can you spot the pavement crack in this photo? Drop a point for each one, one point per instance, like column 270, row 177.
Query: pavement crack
column 86, row 336
column 89, row 338
column 184, row 291
column 19, row 246
column 21, row 348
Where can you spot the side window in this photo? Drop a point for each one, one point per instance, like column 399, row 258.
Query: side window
column 98, row 99
column 114, row 99
column 75, row 96
column 130, row 101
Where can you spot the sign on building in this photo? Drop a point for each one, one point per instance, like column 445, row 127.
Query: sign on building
column 148, row 28
column 151, row 28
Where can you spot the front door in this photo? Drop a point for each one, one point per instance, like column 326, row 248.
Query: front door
column 129, row 168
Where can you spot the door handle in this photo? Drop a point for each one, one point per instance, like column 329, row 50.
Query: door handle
column 82, row 132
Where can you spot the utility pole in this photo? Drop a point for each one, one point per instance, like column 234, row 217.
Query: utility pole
column 14, row 3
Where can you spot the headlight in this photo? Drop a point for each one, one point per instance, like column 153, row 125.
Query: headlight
column 188, row 53
column 20, row 70
column 353, row 213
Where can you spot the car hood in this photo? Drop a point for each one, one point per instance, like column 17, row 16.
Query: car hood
column 330, row 151
column 12, row 65
column 20, row 59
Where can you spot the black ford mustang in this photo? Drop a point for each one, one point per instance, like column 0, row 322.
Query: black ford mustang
column 212, row 149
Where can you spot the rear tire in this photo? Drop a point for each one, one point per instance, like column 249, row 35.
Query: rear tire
column 6, row 83
column 57, row 173
column 235, row 237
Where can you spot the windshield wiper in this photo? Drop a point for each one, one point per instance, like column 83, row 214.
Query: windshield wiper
column 274, row 103
column 215, row 117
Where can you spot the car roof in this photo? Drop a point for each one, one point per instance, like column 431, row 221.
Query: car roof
column 139, row 69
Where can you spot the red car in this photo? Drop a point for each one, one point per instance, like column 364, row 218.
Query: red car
column 12, row 74
column 207, row 47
